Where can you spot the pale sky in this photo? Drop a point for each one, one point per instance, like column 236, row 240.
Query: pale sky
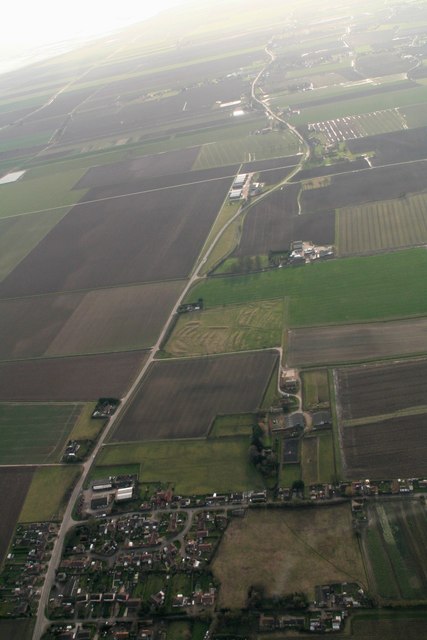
column 29, row 23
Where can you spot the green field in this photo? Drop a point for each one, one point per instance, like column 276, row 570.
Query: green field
column 37, row 193
column 20, row 234
column 382, row 225
column 191, row 466
column 253, row 147
column 315, row 389
column 348, row 290
column 49, row 493
column 233, row 328
column 395, row 542
column 35, row 433
column 317, row 459
column 239, row 424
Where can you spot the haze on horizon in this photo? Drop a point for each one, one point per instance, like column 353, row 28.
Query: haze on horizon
column 29, row 30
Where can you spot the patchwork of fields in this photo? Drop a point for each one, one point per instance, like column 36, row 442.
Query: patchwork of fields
column 128, row 150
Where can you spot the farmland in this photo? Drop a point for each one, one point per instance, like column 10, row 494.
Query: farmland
column 84, row 378
column 49, row 493
column 317, row 459
column 380, row 183
column 385, row 446
column 180, row 399
column 353, row 342
column 315, row 389
column 20, row 234
column 88, row 249
column 371, row 288
column 217, row 464
column 253, row 147
column 233, row 328
column 323, row 550
column 395, row 543
column 383, row 225
column 14, row 484
column 400, row 146
column 382, row 388
column 274, row 223
column 35, row 433
column 117, row 319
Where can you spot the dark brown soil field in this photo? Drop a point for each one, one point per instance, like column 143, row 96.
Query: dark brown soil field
column 183, row 106
column 389, row 449
column 28, row 326
column 116, row 319
column 180, row 399
column 16, row 629
column 14, row 484
column 331, row 169
column 384, row 183
column 80, row 378
column 372, row 390
column 349, row 343
column 139, row 238
column 152, row 166
column 398, row 146
column 130, row 184
column 274, row 223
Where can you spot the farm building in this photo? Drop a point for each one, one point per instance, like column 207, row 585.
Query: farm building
column 239, row 180
column 102, row 485
column 295, row 420
column 321, row 419
column 235, row 194
column 124, row 493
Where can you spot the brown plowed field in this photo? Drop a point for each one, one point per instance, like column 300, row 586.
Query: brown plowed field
column 380, row 389
column 384, row 183
column 139, row 238
column 116, row 319
column 137, row 185
column 349, row 343
column 396, row 146
column 14, row 484
column 160, row 164
column 180, row 399
column 83, row 378
column 274, row 223
column 387, row 449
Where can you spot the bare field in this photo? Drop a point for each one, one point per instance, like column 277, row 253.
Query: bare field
column 179, row 399
column 287, row 551
column 381, row 183
column 386, row 449
column 130, row 171
column 381, row 389
column 139, row 238
column 397, row 146
column 389, row 224
column 117, row 319
column 231, row 328
column 349, row 343
column 83, row 378
column 14, row 484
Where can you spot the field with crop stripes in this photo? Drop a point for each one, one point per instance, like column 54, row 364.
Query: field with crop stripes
column 378, row 226
column 252, row 147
